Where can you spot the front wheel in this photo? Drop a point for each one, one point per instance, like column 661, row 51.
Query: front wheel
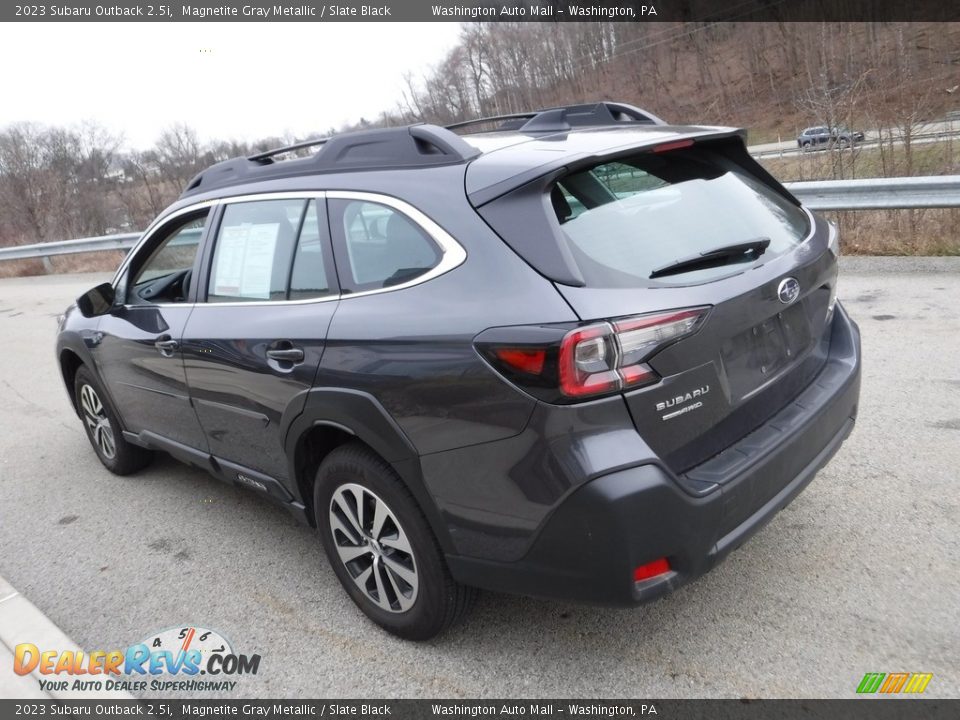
column 103, row 428
column 382, row 549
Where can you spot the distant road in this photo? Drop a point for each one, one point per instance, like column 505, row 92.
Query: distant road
column 926, row 133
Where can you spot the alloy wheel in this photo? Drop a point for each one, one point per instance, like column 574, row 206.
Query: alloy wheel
column 374, row 548
column 97, row 421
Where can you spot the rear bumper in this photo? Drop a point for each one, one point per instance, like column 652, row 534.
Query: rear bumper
column 588, row 547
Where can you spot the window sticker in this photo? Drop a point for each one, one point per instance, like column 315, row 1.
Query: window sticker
column 245, row 260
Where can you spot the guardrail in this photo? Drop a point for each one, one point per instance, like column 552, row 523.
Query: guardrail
column 69, row 247
column 866, row 194
column 84, row 245
column 879, row 193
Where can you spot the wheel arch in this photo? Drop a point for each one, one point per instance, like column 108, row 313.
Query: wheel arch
column 70, row 362
column 310, row 449
column 332, row 417
column 72, row 354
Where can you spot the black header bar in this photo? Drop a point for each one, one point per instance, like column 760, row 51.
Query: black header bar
column 483, row 11
column 874, row 709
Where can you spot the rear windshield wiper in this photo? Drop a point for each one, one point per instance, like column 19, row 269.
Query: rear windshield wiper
column 752, row 249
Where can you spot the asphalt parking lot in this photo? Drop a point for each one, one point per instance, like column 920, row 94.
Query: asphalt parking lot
column 860, row 574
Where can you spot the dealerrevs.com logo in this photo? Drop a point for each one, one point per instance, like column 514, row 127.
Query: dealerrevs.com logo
column 192, row 659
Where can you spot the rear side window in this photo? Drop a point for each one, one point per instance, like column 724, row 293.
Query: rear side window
column 270, row 250
column 254, row 249
column 309, row 277
column 624, row 220
column 378, row 246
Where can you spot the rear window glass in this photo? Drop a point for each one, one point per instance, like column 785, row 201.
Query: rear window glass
column 624, row 220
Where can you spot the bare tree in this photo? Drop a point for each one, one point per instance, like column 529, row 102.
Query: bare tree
column 26, row 185
column 64, row 182
column 179, row 155
column 53, row 180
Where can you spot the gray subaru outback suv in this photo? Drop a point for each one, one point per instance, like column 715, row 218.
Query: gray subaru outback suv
column 580, row 354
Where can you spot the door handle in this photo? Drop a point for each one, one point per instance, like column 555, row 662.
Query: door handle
column 288, row 354
column 166, row 345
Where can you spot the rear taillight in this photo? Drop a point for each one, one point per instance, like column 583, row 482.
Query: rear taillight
column 651, row 570
column 609, row 356
column 590, row 360
column 526, row 361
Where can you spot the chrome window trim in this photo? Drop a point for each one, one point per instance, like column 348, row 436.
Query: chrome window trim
column 261, row 303
column 452, row 253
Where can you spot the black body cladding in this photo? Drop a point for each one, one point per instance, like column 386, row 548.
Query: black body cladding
column 417, row 292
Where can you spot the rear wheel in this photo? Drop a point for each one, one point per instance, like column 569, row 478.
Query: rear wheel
column 103, row 428
column 381, row 547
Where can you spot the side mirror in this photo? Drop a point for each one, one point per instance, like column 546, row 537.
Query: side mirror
column 96, row 301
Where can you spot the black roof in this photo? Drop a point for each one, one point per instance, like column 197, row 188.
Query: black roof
column 412, row 146
column 384, row 148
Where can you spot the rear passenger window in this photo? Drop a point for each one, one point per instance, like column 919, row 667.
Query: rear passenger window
column 381, row 245
column 254, row 248
column 309, row 276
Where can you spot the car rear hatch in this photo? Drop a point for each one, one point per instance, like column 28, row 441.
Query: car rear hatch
column 679, row 227
column 750, row 357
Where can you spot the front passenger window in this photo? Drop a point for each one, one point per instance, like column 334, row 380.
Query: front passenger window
column 165, row 275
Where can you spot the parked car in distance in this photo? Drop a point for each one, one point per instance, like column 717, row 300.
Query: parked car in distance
column 825, row 136
column 584, row 355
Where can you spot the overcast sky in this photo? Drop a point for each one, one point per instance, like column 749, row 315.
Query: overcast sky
column 228, row 80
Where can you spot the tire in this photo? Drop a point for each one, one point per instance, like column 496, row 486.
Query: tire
column 103, row 427
column 396, row 575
